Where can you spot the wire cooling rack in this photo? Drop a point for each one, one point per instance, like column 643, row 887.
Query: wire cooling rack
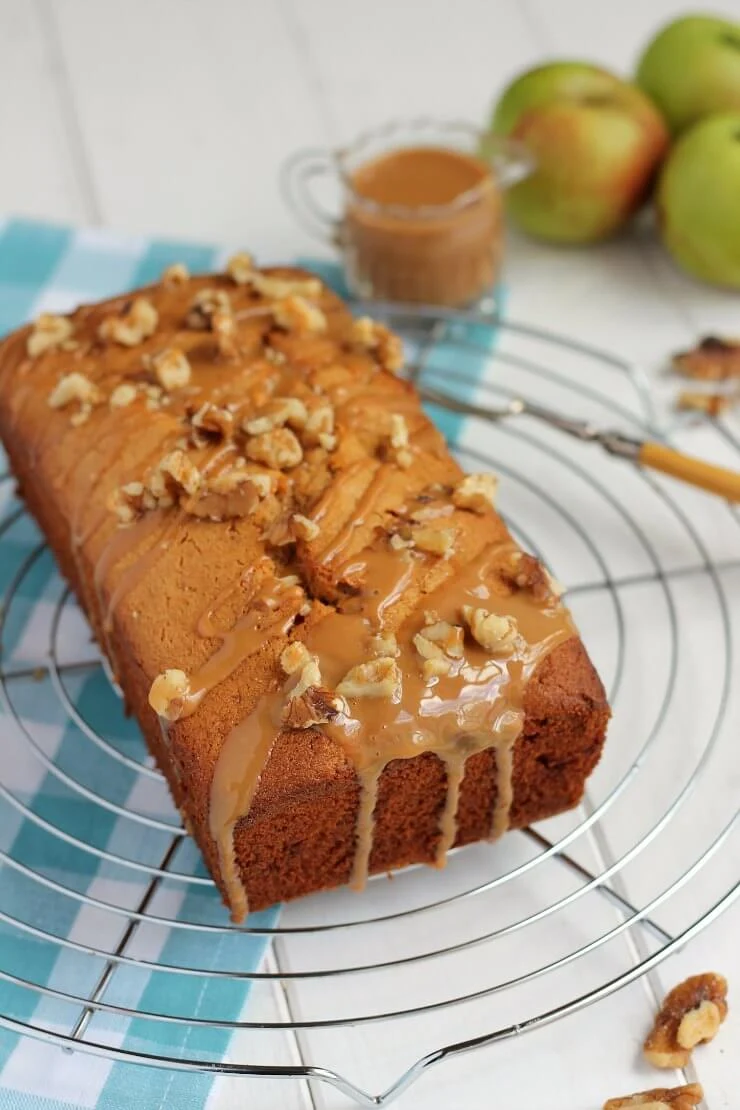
column 509, row 937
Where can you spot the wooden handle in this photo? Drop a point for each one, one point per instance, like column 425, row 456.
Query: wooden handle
column 716, row 479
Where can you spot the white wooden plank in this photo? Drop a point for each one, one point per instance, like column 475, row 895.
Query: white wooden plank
column 187, row 111
column 381, row 61
column 42, row 173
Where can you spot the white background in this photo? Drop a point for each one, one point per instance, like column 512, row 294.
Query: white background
column 171, row 117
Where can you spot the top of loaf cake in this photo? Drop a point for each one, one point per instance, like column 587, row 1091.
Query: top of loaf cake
column 280, row 542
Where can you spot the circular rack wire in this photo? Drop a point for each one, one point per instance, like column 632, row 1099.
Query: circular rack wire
column 88, row 835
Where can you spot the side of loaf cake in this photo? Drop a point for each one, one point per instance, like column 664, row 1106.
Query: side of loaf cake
column 339, row 657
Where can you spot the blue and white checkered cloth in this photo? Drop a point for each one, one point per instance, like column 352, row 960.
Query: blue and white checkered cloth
column 57, row 843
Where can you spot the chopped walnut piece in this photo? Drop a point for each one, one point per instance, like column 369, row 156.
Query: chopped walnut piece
column 316, row 706
column 399, row 441
column 168, row 692
column 73, row 387
column 231, row 494
column 437, row 667
column 123, row 396
column 230, row 479
column 399, row 431
column 660, row 1098
column 295, row 313
column 427, row 649
column 223, row 325
column 49, row 332
column 438, row 644
column 204, row 304
column 398, row 543
column 309, row 675
column 263, row 483
column 713, row 360
column 176, row 274
column 276, row 414
column 240, row 268
column 377, row 678
column 170, row 367
column 277, row 358
column 308, row 703
column 304, row 528
column 319, row 423
column 435, row 541
column 381, row 341
column 431, row 512
column 276, row 288
column 181, row 470
column 137, row 322
column 710, row 404
column 384, row 645
column 210, row 422
column 447, row 636
column 496, row 634
column 476, row 492
column 155, row 397
column 278, row 449
column 130, row 501
column 525, row 572
column 294, row 657
column 691, row 1014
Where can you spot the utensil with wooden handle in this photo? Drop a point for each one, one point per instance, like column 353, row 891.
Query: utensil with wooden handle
column 716, row 479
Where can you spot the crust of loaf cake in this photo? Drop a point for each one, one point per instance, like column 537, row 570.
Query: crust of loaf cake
column 291, row 843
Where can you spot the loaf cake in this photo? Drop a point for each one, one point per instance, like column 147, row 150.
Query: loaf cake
column 338, row 656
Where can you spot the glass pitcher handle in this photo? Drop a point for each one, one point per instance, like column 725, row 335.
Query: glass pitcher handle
column 296, row 178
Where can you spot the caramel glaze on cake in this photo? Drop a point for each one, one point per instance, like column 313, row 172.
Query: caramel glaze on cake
column 337, row 654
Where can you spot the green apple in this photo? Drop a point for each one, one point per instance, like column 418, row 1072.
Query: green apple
column 597, row 142
column 698, row 199
column 691, row 69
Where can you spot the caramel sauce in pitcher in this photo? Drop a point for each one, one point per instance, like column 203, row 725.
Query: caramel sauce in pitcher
column 423, row 224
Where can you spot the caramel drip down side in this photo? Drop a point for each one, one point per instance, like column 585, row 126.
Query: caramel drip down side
column 455, row 772
column 479, row 705
column 272, row 610
column 245, row 754
column 369, row 780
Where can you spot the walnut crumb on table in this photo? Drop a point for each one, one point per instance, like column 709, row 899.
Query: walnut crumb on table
column 712, row 360
column 710, row 404
column 691, row 1014
column 660, row 1098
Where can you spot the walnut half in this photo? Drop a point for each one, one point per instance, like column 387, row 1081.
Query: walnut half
column 712, row 360
column 691, row 1014
column 378, row 678
column 496, row 634
column 660, row 1098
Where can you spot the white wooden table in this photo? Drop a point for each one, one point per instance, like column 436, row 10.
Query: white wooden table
column 173, row 116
